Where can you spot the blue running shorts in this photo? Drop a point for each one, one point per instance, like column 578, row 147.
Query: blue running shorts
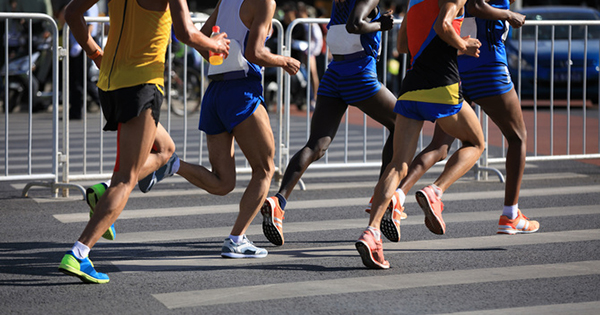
column 227, row 103
column 424, row 110
column 486, row 80
column 351, row 81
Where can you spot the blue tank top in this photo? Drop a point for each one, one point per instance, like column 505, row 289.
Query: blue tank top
column 341, row 42
column 491, row 34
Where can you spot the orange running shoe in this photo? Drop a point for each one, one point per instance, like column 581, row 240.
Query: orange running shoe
column 273, row 220
column 390, row 223
column 521, row 224
column 371, row 251
column 393, row 204
column 432, row 206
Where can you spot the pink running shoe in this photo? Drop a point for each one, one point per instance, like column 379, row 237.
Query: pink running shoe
column 432, row 206
column 390, row 223
column 371, row 251
column 393, row 204
column 273, row 220
column 521, row 224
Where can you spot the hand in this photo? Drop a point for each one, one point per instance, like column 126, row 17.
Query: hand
column 98, row 61
column 387, row 21
column 291, row 65
column 221, row 44
column 516, row 20
column 472, row 48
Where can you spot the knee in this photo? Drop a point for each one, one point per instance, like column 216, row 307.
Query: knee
column 518, row 137
column 225, row 188
column 317, row 149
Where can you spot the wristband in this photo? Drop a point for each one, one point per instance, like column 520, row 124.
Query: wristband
column 96, row 54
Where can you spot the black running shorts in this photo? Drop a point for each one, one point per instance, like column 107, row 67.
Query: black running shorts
column 119, row 106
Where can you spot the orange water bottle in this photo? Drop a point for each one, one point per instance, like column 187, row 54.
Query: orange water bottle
column 214, row 58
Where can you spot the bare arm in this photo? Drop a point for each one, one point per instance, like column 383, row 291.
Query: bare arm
column 449, row 9
column 74, row 16
column 482, row 10
column 261, row 13
column 402, row 42
column 186, row 32
column 359, row 23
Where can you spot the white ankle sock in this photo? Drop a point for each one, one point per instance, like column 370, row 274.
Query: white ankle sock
column 511, row 211
column 438, row 191
column 80, row 250
column 107, row 183
column 236, row 238
column 402, row 196
column 375, row 232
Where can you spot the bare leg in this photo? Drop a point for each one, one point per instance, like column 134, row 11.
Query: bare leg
column 162, row 150
column 464, row 126
column 406, row 137
column 436, row 151
column 220, row 180
column 505, row 111
column 324, row 125
column 136, row 139
column 255, row 138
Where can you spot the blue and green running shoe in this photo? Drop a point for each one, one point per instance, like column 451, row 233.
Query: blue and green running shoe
column 92, row 195
column 167, row 170
column 82, row 269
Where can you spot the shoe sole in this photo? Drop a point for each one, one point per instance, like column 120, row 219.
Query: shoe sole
column 513, row 232
column 236, row 255
column 366, row 256
column 270, row 230
column 433, row 223
column 110, row 234
column 389, row 228
column 69, row 271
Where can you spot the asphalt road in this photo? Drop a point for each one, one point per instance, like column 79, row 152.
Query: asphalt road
column 166, row 258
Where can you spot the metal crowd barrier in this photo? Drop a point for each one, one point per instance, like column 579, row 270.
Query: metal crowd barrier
column 31, row 142
column 64, row 143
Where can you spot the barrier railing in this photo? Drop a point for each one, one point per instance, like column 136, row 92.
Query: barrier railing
column 553, row 136
column 29, row 152
column 56, row 155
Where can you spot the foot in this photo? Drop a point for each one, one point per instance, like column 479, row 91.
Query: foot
column 243, row 249
column 390, row 223
column 82, row 269
column 432, row 206
column 520, row 224
column 273, row 220
column 394, row 204
column 92, row 195
column 371, row 251
column 167, row 170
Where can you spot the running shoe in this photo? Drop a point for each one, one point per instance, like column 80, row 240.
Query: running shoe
column 81, row 268
column 92, row 196
column 393, row 204
column 521, row 224
column 371, row 251
column 167, row 170
column 273, row 220
column 243, row 249
column 390, row 223
column 432, row 206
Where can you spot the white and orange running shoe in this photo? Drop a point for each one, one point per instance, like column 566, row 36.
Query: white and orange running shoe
column 520, row 224
column 371, row 251
column 273, row 220
column 394, row 204
column 432, row 207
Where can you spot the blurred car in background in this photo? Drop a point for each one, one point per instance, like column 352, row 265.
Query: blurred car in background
column 560, row 74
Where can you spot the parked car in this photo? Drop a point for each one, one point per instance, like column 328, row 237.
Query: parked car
column 561, row 49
